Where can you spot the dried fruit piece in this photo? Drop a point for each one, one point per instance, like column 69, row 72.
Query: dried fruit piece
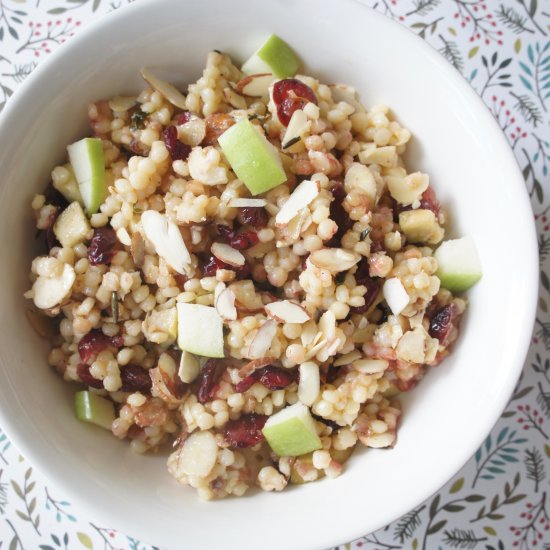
column 135, row 378
column 273, row 378
column 442, row 323
column 95, row 342
column 289, row 95
column 177, row 149
column 253, row 216
column 83, row 372
column 101, row 249
column 246, row 431
column 208, row 379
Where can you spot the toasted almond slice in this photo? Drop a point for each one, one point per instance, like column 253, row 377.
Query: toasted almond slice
column 395, row 295
column 309, row 331
column 234, row 99
column 286, row 311
column 225, row 305
column 343, row 92
column 310, row 383
column 348, row 358
column 256, row 364
column 334, row 259
column 370, row 366
column 300, row 198
column 327, row 325
column 263, row 339
column 297, row 128
column 255, row 85
column 316, row 348
column 169, row 91
column 238, row 202
column 227, row 254
column 247, row 299
column 123, row 236
column 166, row 238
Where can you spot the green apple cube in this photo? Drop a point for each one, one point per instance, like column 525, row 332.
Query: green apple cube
column 253, row 159
column 292, row 432
column 459, row 267
column 71, row 226
column 274, row 56
column 92, row 408
column 200, row 330
column 88, row 163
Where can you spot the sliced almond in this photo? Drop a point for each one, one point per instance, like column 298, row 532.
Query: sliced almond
column 263, row 340
column 395, row 295
column 238, row 202
column 347, row 359
column 309, row 330
column 256, row 364
column 309, row 385
column 334, row 259
column 51, row 291
column 123, row 236
column 169, row 91
column 255, row 85
column 227, row 254
column 316, row 348
column 287, row 312
column 225, row 305
column 166, row 238
column 189, row 367
column 370, row 366
column 300, row 198
column 327, row 325
column 234, row 99
column 343, row 92
column 359, row 176
column 297, row 128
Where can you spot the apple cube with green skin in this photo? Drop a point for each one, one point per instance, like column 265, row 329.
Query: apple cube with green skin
column 253, row 159
column 274, row 56
column 92, row 408
column 200, row 330
column 88, row 163
column 291, row 431
column 458, row 264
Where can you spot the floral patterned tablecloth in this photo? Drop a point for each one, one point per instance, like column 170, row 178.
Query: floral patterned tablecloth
column 500, row 499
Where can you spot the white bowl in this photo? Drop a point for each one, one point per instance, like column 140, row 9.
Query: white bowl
column 472, row 169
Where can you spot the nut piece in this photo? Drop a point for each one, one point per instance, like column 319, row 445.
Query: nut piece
column 227, row 254
column 334, row 259
column 224, row 301
column 287, row 312
column 262, row 341
column 420, row 226
column 198, row 454
column 358, row 176
column 255, row 85
column 299, row 198
column 170, row 92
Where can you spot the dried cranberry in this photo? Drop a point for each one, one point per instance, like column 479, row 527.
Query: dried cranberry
column 289, row 95
column 338, row 213
column 84, row 374
column 184, row 117
column 225, row 232
column 255, row 216
column 208, row 380
column 273, row 378
column 101, row 249
column 246, row 431
column 212, row 265
column 429, row 201
column 135, row 378
column 95, row 342
column 373, row 284
column 177, row 149
column 244, row 240
column 442, row 323
column 55, row 198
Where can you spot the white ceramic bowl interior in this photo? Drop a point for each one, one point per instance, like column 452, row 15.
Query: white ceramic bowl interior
column 472, row 170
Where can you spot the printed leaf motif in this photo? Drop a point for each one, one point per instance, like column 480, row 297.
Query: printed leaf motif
column 436, row 527
column 85, row 540
column 457, row 485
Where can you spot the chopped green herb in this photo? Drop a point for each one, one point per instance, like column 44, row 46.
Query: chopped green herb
column 364, row 234
column 291, row 142
column 138, row 120
column 114, row 306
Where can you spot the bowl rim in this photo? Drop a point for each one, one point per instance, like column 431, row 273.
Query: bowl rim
column 53, row 472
